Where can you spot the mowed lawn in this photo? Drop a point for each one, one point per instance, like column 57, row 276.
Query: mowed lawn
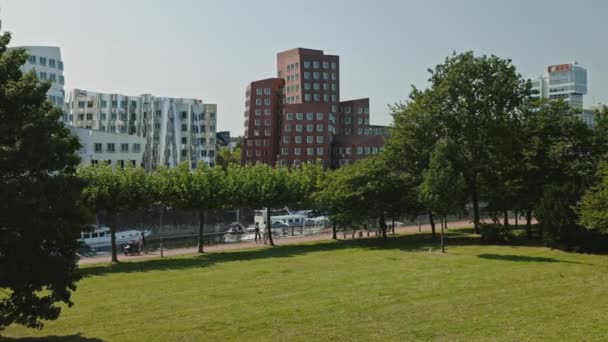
column 355, row 290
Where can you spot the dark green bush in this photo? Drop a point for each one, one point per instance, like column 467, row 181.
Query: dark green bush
column 496, row 234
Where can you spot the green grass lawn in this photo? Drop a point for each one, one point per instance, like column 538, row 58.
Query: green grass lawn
column 358, row 290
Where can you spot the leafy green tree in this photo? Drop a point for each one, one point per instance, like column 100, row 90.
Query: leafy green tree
column 161, row 191
column 442, row 190
column 226, row 157
column 593, row 207
column 471, row 100
column 40, row 213
column 198, row 190
column 114, row 190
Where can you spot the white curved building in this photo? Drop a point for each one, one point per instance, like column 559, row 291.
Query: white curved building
column 46, row 62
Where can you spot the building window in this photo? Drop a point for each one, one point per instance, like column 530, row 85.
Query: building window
column 257, row 122
column 310, row 128
column 267, row 111
column 325, row 76
column 306, row 86
column 98, row 147
column 289, row 116
column 307, row 97
column 298, row 139
column 309, row 139
column 285, row 151
column 333, row 76
column 315, row 64
column 267, row 122
column 124, row 148
column 259, row 91
column 31, row 59
column 310, row 151
column 258, row 102
column 184, row 140
column 325, row 98
column 267, row 102
column 300, row 116
column 110, row 147
column 306, row 64
column 267, row 132
column 123, row 129
column 359, row 150
column 297, row 151
column 61, row 79
column 286, row 139
column 136, row 148
column 184, row 127
column 325, row 65
column 319, row 127
column 309, row 116
column 320, row 151
column 267, row 91
column 298, row 128
column 60, row 65
column 317, row 97
column 287, row 128
column 319, row 139
column 316, row 86
column 306, row 75
column 333, row 65
column 53, row 77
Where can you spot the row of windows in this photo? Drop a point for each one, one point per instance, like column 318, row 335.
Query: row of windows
column 267, row 102
column 317, row 75
column 300, row 116
column 257, row 133
column 120, row 163
column 298, row 139
column 300, row 128
column 348, row 120
column 43, row 61
column 292, row 88
column 360, row 110
column 195, row 128
column 317, row 98
column 201, row 141
column 298, row 162
column 361, row 150
column 258, row 142
column 293, row 77
column 317, row 64
column 293, row 66
column 317, row 86
column 51, row 77
column 297, row 151
column 267, row 111
column 111, row 148
column 204, row 153
column 258, row 122
column 292, row 99
column 261, row 91
column 58, row 100
column 360, row 131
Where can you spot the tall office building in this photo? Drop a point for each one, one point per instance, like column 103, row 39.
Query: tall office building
column 46, row 62
column 298, row 117
column 176, row 129
column 562, row 81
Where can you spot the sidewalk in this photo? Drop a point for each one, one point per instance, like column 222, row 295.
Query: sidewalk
column 252, row 244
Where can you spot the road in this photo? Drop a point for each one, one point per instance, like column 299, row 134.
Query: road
column 252, row 244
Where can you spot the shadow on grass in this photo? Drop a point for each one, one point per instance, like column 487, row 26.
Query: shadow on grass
column 67, row 338
column 523, row 258
column 409, row 242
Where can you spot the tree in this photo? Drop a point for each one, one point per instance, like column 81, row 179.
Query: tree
column 114, row 190
column 593, row 207
column 40, row 213
column 161, row 188
column 198, row 190
column 226, row 157
column 471, row 100
column 442, row 190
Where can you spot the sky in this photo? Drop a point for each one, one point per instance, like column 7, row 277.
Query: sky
column 211, row 50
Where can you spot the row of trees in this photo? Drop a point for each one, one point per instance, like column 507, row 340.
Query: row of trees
column 113, row 191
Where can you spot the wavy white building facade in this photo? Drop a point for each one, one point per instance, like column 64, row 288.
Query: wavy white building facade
column 176, row 129
column 46, row 62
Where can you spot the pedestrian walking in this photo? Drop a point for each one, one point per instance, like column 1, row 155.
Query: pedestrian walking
column 258, row 236
column 141, row 243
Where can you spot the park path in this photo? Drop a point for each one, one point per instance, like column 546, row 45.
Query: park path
column 252, row 244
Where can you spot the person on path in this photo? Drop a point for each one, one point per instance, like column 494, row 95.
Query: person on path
column 258, row 236
column 141, row 243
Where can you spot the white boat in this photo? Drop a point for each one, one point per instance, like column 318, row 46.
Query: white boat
column 285, row 221
column 100, row 237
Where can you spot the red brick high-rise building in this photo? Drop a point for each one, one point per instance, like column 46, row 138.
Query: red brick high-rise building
column 298, row 117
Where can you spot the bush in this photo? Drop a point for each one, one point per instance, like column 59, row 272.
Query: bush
column 496, row 234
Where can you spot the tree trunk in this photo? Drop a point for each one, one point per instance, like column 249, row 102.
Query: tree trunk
column 160, row 230
column 506, row 218
column 442, row 243
column 113, row 236
column 432, row 222
column 269, row 227
column 529, row 222
column 516, row 219
column 201, row 225
column 445, row 222
column 334, row 235
column 419, row 224
column 475, row 204
column 393, row 225
column 383, row 226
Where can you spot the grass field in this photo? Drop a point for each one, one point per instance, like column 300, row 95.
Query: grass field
column 355, row 290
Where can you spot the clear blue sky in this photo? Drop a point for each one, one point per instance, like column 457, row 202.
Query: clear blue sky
column 212, row 49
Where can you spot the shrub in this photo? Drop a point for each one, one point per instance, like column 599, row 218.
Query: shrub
column 496, row 234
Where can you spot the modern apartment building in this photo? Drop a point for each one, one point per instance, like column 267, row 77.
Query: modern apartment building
column 175, row 129
column 562, row 81
column 298, row 117
column 107, row 147
column 46, row 62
